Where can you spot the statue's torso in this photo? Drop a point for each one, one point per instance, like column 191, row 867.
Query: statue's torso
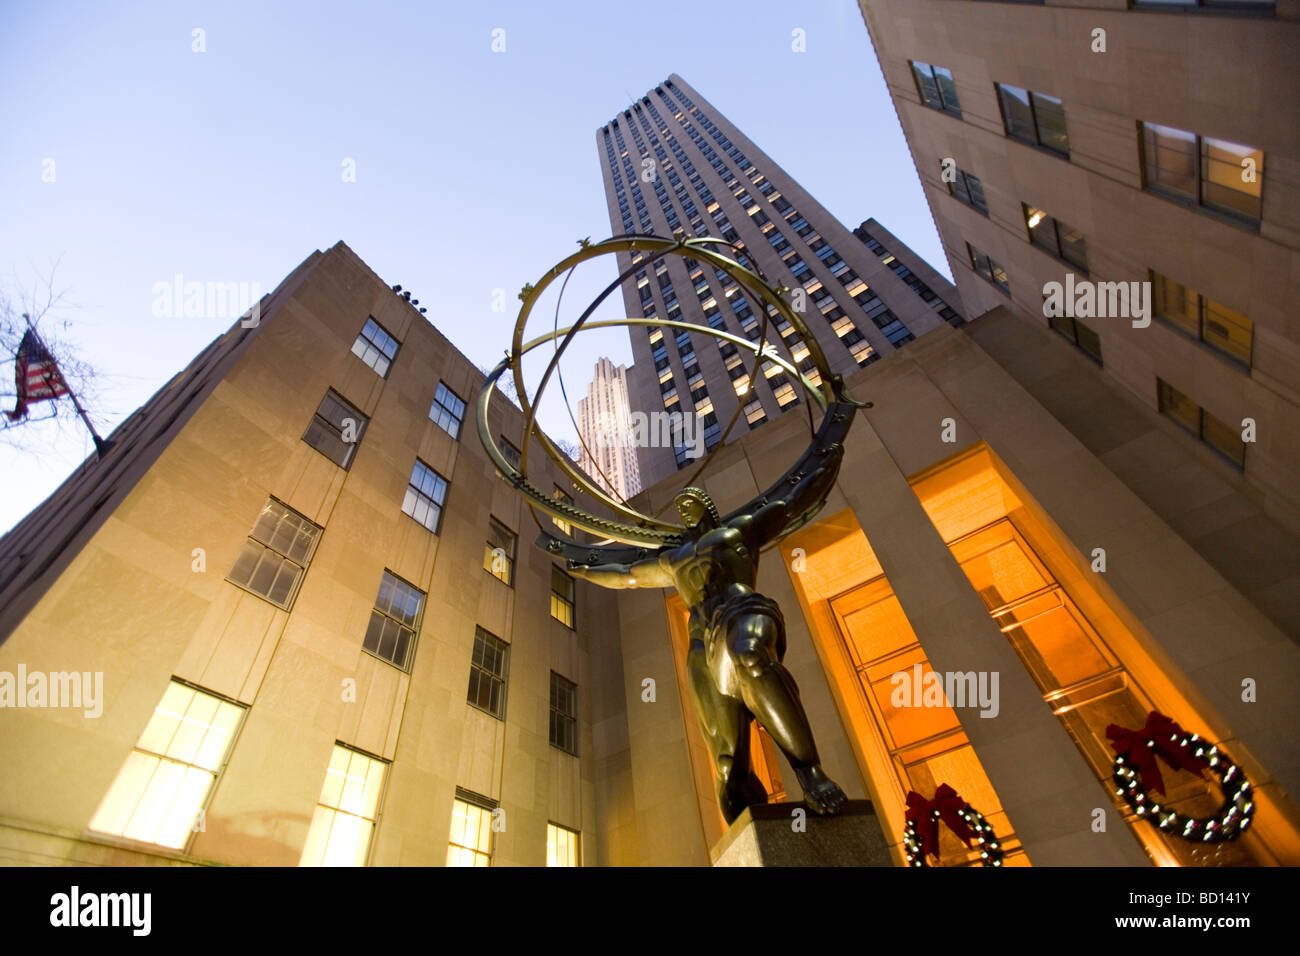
column 718, row 565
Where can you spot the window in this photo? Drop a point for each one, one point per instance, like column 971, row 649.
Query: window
column 1220, row 175
column 936, row 87
column 336, row 429
column 395, row 621
column 275, row 556
column 988, row 268
column 1034, row 118
column 561, row 597
column 1083, row 337
column 1228, row 332
column 487, row 673
column 970, row 190
column 561, row 846
column 562, row 496
column 1056, row 237
column 345, row 814
column 564, row 714
column 511, row 453
column 425, row 496
column 1220, row 436
column 448, row 410
column 470, row 843
column 499, row 555
column 161, row 791
column 376, row 347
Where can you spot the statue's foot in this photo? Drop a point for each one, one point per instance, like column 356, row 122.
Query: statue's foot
column 738, row 794
column 819, row 791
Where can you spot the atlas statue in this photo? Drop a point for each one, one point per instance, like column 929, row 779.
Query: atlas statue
column 737, row 636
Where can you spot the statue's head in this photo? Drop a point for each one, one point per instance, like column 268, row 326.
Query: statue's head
column 697, row 509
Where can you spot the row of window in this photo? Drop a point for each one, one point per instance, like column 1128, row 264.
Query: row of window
column 161, row 794
column 1215, row 174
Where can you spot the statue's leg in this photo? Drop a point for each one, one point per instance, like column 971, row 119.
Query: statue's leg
column 725, row 724
column 770, row 693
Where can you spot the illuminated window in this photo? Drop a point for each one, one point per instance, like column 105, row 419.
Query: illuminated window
column 785, row 394
column 561, row 495
column 564, row 714
column 448, row 410
column 275, row 557
column 1199, row 170
column 1060, row 240
column 425, row 496
column 561, row 846
column 988, row 268
column 161, row 791
column 345, row 815
column 754, row 413
column 499, row 555
column 376, row 347
column 336, row 429
column 470, row 843
column 487, row 673
column 1221, row 328
column 394, row 621
column 562, row 597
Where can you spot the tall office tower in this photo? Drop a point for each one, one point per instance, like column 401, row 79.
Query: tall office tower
column 288, row 619
column 1115, row 188
column 605, row 424
column 672, row 162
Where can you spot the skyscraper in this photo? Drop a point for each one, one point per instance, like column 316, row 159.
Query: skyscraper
column 1113, row 190
column 604, row 422
column 672, row 162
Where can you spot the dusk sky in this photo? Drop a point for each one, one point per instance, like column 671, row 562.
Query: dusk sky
column 129, row 158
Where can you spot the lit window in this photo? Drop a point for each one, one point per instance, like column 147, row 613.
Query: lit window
column 487, row 673
column 376, row 347
column 562, row 597
column 499, row 555
column 1056, row 237
column 161, row 791
column 1223, row 329
column 1034, row 118
column 470, row 843
column 754, row 413
column 275, row 556
column 425, row 496
column 561, row 846
column 394, row 621
column 336, row 429
column 785, row 394
column 344, row 820
column 988, row 268
column 564, row 714
column 448, row 410
column 1215, row 173
column 561, row 495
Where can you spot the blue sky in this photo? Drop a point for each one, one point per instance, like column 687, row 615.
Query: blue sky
column 474, row 170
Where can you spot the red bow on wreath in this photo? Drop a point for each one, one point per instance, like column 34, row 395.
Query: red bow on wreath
column 1157, row 738
column 920, row 811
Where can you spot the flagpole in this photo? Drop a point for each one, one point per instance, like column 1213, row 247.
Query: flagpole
column 101, row 445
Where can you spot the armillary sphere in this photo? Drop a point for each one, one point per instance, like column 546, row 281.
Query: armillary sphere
column 630, row 526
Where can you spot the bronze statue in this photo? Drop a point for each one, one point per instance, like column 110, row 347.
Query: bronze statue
column 737, row 636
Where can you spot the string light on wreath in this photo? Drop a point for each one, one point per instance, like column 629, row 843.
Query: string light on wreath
column 921, row 835
column 1136, row 774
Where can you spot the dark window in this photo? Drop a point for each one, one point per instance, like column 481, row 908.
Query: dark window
column 1034, row 118
column 394, row 621
column 1220, row 436
column 1079, row 334
column 1223, row 329
column 425, row 496
column 564, row 714
column 511, row 453
column 936, row 87
column 448, row 410
column 336, row 429
column 488, row 670
column 988, row 268
column 275, row 556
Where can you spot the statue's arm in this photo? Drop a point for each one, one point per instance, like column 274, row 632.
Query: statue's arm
column 647, row 573
column 771, row 519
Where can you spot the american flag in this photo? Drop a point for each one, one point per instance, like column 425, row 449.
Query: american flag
column 36, row 376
